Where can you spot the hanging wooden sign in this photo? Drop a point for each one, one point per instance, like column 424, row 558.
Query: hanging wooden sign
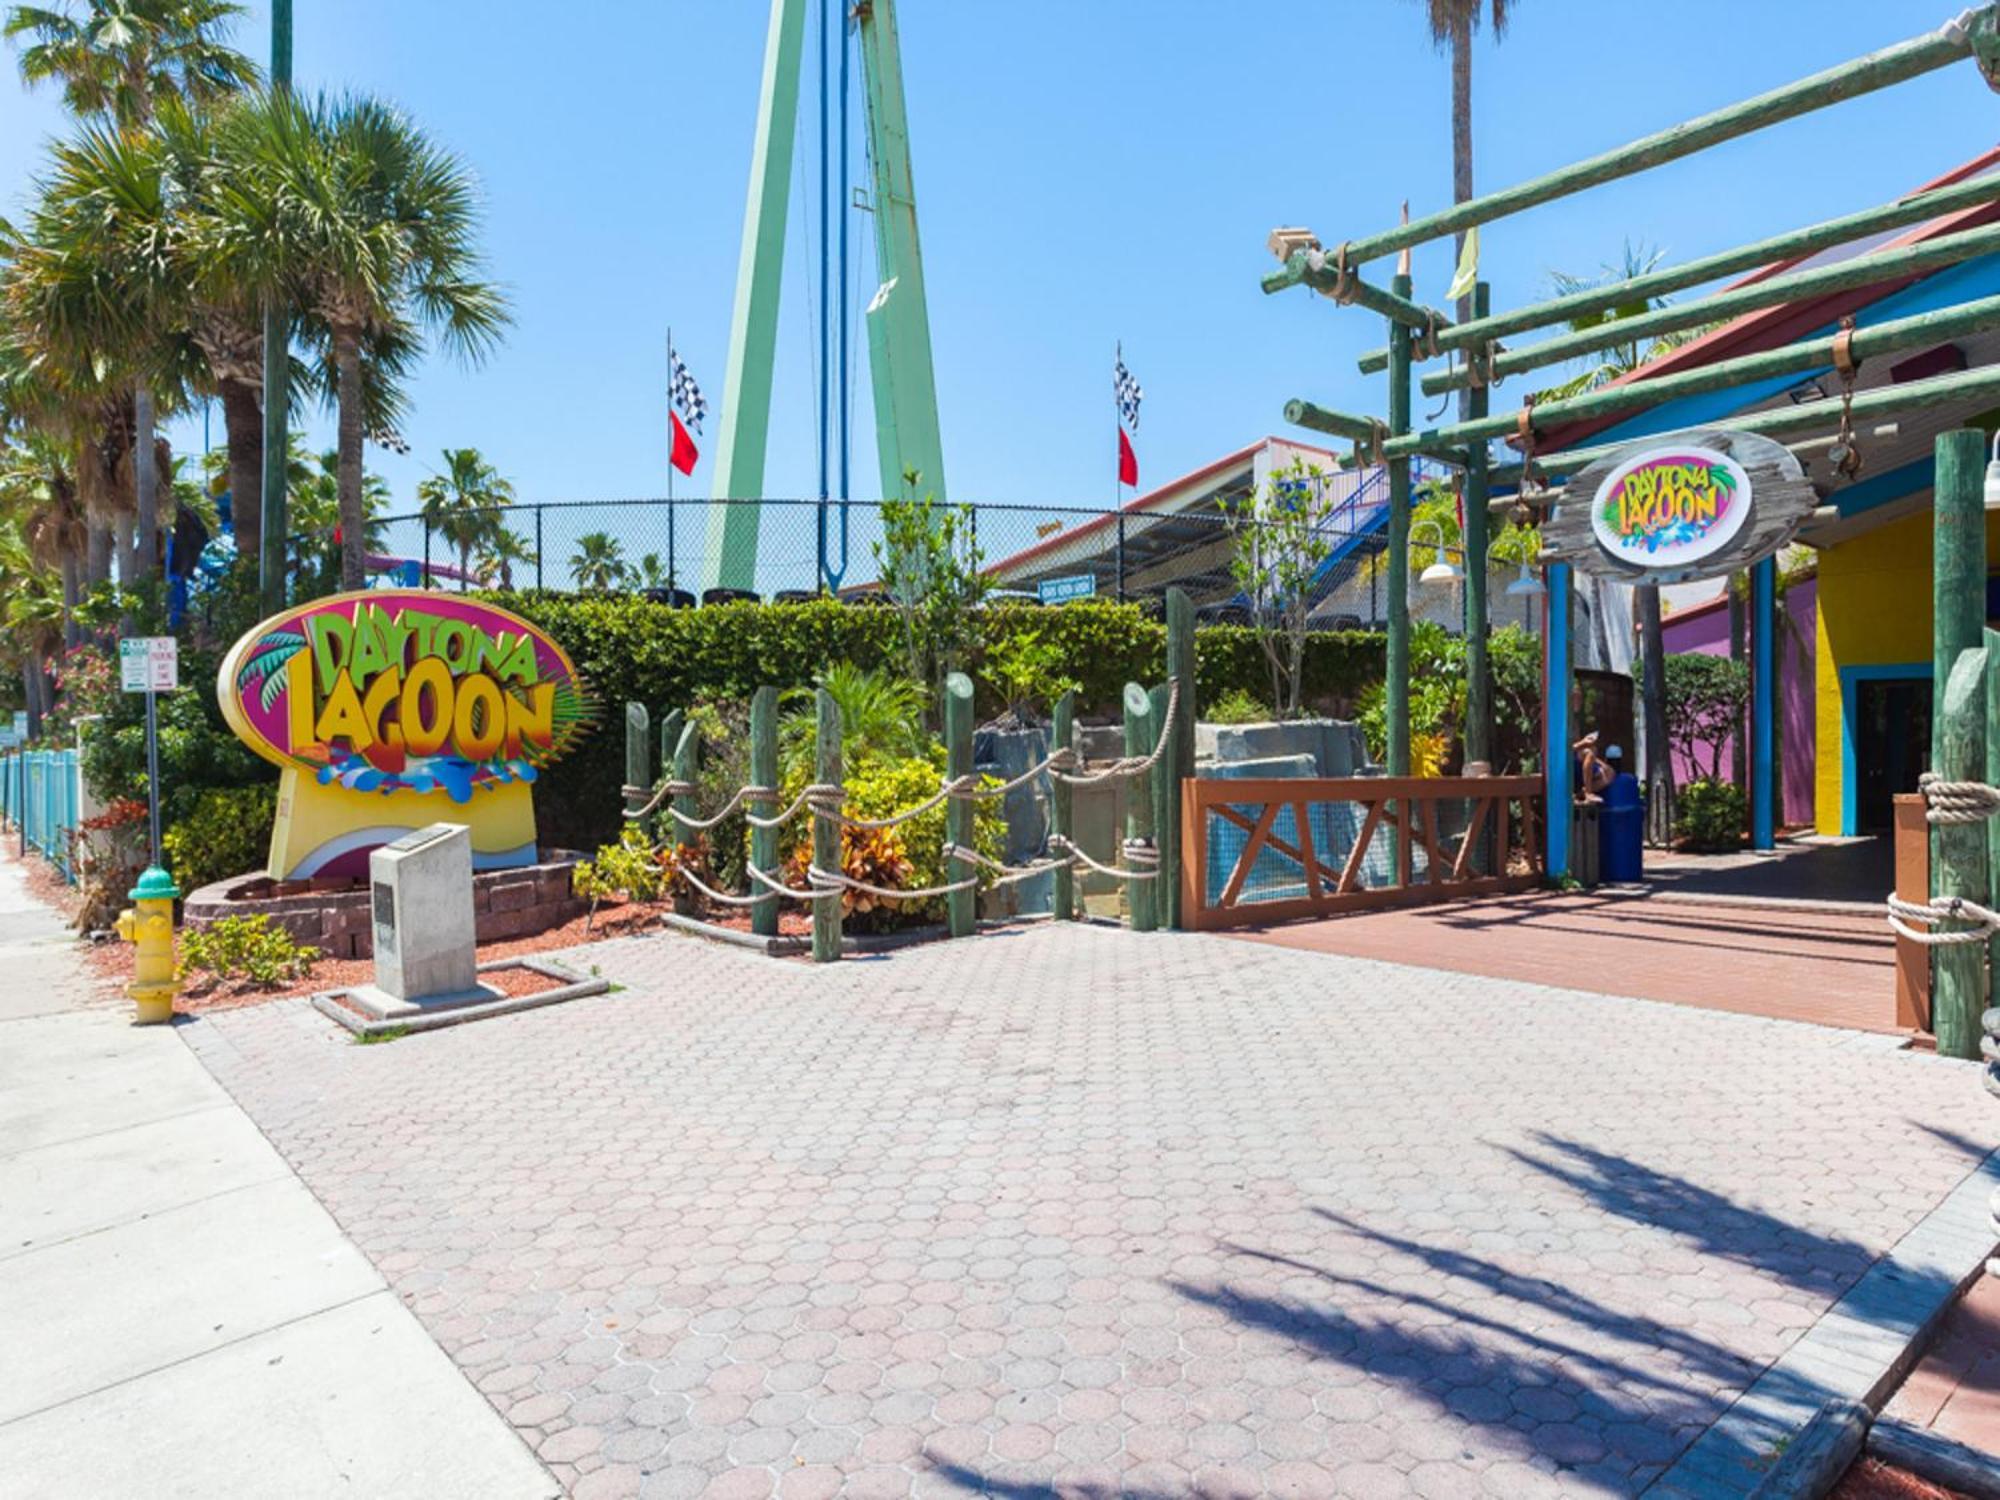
column 1696, row 504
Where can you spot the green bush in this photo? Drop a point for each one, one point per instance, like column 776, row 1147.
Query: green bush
column 223, row 831
column 1710, row 813
column 245, row 948
column 631, row 649
column 882, row 786
column 1238, row 707
column 1437, row 694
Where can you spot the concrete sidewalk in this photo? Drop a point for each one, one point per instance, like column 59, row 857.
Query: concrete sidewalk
column 181, row 1315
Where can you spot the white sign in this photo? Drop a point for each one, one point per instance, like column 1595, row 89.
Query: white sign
column 8, row 739
column 149, row 664
column 20, row 725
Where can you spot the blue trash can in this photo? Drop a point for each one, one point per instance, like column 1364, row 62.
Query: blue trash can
column 1621, row 832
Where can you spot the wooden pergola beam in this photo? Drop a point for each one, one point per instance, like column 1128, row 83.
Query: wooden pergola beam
column 1974, row 193
column 1919, row 331
column 1848, row 275
column 1865, row 75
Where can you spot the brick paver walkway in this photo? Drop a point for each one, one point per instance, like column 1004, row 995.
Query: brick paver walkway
column 1837, row 968
column 1079, row 1211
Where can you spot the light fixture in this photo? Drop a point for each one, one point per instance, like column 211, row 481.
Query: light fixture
column 1527, row 586
column 1442, row 569
column 1993, row 476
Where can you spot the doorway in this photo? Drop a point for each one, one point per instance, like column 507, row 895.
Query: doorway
column 1892, row 745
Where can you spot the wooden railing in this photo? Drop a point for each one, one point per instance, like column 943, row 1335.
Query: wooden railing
column 1274, row 849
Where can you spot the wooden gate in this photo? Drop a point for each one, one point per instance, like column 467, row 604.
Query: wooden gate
column 1274, row 849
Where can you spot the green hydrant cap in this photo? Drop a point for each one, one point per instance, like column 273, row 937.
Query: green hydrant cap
column 155, row 885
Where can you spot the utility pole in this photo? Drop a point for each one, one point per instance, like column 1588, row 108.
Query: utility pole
column 277, row 369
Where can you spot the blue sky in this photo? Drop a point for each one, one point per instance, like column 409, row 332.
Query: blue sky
column 1086, row 173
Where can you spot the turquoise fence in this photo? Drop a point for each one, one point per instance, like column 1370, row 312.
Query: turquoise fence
column 38, row 794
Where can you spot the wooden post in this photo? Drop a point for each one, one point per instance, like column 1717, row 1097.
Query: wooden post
column 1958, row 576
column 1061, row 806
column 1167, row 812
column 1478, row 664
column 1959, row 994
column 826, row 831
column 1142, row 732
column 960, row 906
column 1177, row 763
column 764, row 772
column 638, row 756
column 686, row 766
column 1992, row 896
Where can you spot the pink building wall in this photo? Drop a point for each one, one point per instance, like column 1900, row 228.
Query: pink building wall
column 1705, row 628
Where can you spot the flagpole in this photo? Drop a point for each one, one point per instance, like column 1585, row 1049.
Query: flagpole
column 672, row 537
column 1117, row 463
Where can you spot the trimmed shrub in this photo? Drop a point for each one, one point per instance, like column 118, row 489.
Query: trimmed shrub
column 224, row 831
column 1710, row 814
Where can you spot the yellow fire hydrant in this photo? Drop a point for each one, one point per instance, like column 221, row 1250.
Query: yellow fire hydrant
column 149, row 924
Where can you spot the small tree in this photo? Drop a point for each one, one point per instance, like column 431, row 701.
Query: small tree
column 929, row 562
column 1704, row 696
column 1281, row 542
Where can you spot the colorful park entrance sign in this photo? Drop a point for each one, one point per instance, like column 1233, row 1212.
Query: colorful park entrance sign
column 1686, row 505
column 391, row 709
column 1671, row 507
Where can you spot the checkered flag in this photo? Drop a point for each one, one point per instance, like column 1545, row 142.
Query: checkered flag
column 688, row 399
column 1126, row 389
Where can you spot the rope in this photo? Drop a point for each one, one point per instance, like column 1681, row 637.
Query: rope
column 1007, row 874
column 828, row 881
column 1957, row 801
column 1057, row 841
column 1985, row 921
column 665, row 790
column 1130, row 765
column 817, row 795
column 784, row 890
column 724, row 897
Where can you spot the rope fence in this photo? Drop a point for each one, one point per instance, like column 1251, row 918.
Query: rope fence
column 828, row 801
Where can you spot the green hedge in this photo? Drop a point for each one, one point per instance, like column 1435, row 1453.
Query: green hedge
column 628, row 649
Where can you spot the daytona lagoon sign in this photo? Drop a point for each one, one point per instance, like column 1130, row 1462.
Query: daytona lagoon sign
column 1673, row 507
column 1688, row 505
column 379, row 706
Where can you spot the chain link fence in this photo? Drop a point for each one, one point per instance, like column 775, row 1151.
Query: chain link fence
column 804, row 547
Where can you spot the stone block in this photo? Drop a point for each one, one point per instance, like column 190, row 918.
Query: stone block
column 512, row 895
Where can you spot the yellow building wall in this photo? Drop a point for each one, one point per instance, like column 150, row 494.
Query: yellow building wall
column 1874, row 610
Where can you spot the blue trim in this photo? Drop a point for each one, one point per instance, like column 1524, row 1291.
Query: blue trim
column 1850, row 679
column 1882, row 489
column 1763, row 702
column 1556, row 735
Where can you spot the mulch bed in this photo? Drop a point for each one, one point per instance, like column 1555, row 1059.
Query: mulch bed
column 1871, row 1479
column 112, row 962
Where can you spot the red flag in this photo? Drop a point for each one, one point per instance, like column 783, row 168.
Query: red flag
column 684, row 453
column 1128, row 461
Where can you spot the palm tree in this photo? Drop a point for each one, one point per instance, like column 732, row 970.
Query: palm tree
column 881, row 715
column 119, row 58
column 464, row 503
column 312, row 503
column 122, row 62
column 501, row 552
column 599, row 562
column 652, row 573
column 345, row 208
column 1453, row 24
